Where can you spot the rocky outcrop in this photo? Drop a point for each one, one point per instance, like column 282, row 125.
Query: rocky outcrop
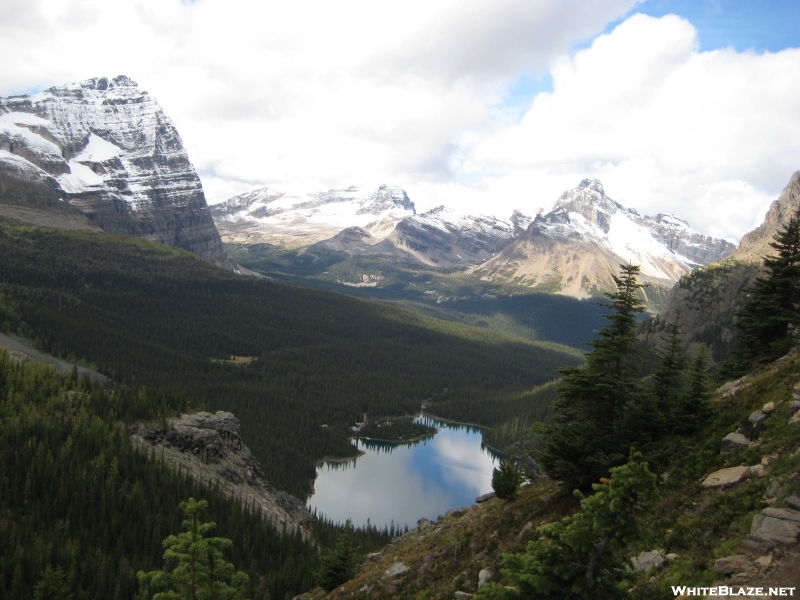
column 755, row 245
column 210, row 447
column 104, row 149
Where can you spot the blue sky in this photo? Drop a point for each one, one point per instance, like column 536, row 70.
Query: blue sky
column 759, row 25
column 745, row 25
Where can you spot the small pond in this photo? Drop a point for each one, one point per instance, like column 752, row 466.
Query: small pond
column 401, row 483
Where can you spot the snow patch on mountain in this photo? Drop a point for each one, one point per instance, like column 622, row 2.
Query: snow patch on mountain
column 295, row 220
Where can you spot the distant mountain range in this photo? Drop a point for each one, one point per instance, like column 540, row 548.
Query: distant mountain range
column 574, row 249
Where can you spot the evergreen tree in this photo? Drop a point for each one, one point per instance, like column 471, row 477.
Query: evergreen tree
column 201, row 572
column 768, row 320
column 506, row 478
column 340, row 563
column 652, row 413
column 589, row 431
column 53, row 586
column 578, row 556
column 692, row 405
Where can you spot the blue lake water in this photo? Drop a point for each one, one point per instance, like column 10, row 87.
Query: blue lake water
column 400, row 483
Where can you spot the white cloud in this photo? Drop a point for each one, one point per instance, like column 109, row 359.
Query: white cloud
column 706, row 135
column 315, row 94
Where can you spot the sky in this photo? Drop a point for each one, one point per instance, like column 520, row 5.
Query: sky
column 689, row 107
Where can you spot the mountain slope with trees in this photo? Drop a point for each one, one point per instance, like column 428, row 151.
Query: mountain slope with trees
column 146, row 314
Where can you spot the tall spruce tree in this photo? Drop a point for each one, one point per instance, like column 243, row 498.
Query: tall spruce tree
column 767, row 322
column 589, row 432
column 198, row 570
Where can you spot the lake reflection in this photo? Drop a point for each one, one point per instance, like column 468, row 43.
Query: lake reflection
column 401, row 483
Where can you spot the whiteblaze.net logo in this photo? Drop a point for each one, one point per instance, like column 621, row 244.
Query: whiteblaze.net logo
column 724, row 591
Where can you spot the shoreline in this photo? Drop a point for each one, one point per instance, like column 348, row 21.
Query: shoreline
column 408, row 441
column 443, row 420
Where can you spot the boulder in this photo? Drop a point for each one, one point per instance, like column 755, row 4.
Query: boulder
column 792, row 502
column 732, row 564
column 768, row 407
column 786, row 514
column 756, row 546
column 734, row 442
column 485, row 497
column 772, row 529
column 757, row 418
column 423, row 524
column 456, row 512
column 672, row 556
column 483, row 577
column 794, row 406
column 730, row 388
column 795, row 418
column 725, row 477
column 758, row 470
column 462, row 595
column 396, row 570
column 647, row 561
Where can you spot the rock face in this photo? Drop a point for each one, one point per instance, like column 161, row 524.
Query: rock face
column 106, row 150
column 210, row 446
column 442, row 237
column 755, row 245
column 708, row 297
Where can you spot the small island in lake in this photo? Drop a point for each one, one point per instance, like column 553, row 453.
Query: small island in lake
column 400, row 430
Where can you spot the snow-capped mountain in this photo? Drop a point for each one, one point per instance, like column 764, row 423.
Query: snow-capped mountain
column 443, row 237
column 293, row 221
column 105, row 149
column 578, row 246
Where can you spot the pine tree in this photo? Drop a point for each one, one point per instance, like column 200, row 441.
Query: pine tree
column 651, row 415
column 589, row 431
column 53, row 586
column 506, row 478
column 768, row 321
column 692, row 407
column 578, row 556
column 339, row 564
column 199, row 571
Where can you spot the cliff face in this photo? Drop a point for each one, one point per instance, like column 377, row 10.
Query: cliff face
column 209, row 446
column 106, row 150
column 755, row 245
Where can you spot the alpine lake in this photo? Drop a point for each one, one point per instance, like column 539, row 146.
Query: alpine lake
column 401, row 482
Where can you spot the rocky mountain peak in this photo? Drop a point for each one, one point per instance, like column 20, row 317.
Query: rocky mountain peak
column 588, row 200
column 387, row 198
column 106, row 149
